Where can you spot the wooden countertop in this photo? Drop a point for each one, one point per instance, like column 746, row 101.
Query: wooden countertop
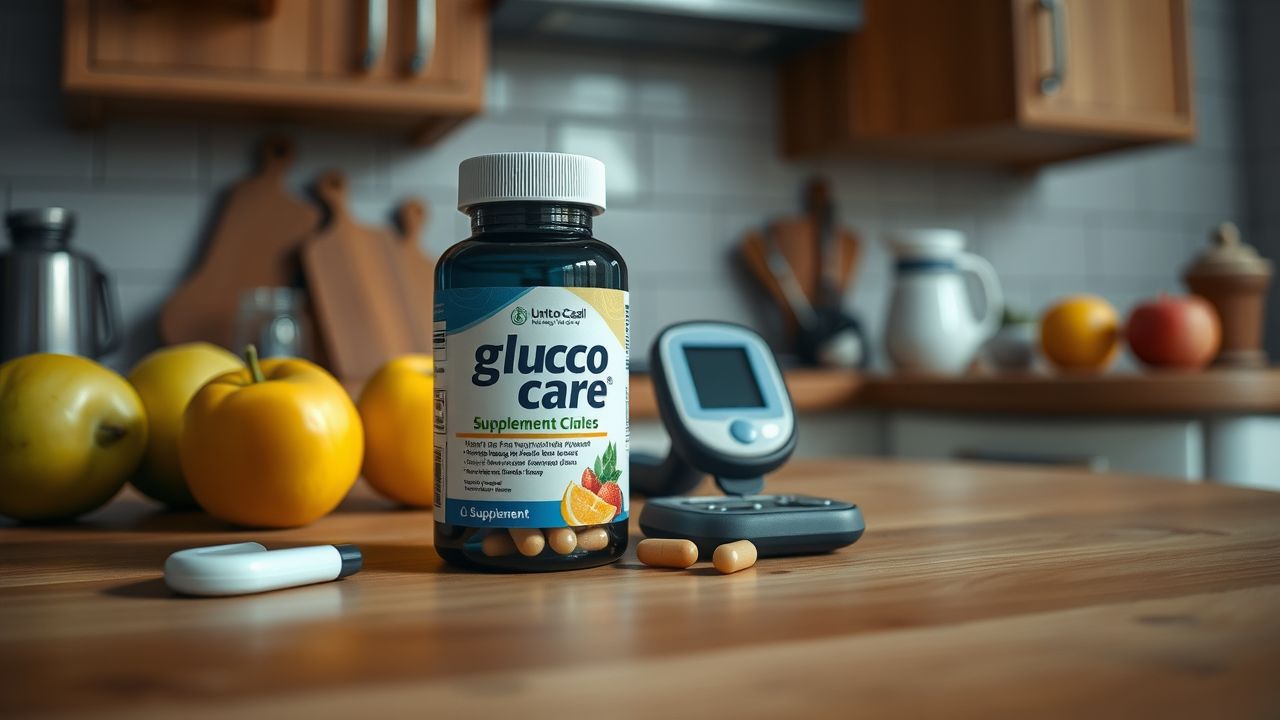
column 977, row 591
column 1211, row 392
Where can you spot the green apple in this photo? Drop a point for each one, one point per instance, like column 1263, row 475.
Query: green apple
column 71, row 433
column 166, row 380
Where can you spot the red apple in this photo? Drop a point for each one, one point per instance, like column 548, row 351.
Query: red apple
column 1174, row 332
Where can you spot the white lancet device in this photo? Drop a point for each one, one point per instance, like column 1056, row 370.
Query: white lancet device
column 725, row 405
column 249, row 567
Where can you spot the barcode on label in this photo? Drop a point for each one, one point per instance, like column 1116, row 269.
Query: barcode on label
column 438, row 494
column 440, row 441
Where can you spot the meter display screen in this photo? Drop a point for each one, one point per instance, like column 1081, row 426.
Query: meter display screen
column 722, row 377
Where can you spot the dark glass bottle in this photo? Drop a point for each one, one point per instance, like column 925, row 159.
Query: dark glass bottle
column 523, row 244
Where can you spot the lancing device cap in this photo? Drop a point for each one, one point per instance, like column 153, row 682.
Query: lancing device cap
column 352, row 560
column 531, row 177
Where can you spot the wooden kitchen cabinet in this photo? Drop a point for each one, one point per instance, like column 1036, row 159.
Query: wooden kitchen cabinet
column 413, row 66
column 1006, row 82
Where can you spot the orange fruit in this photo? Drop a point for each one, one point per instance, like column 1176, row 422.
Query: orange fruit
column 396, row 407
column 1080, row 332
column 582, row 507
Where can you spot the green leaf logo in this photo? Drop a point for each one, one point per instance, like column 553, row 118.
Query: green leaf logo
column 606, row 465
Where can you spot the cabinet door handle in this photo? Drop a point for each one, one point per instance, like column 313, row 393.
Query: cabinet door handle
column 425, row 39
column 376, row 33
column 1052, row 82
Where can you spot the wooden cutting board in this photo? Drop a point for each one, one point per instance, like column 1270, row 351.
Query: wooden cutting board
column 255, row 244
column 357, row 290
column 417, row 271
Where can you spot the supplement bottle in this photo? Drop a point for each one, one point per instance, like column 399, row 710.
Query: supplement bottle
column 531, row 356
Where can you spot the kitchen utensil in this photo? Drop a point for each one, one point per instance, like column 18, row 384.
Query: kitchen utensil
column 255, row 244
column 1234, row 279
column 820, row 208
column 52, row 298
column 356, row 287
column 794, row 239
column 836, row 340
column 825, row 335
column 275, row 319
column 931, row 326
column 807, row 264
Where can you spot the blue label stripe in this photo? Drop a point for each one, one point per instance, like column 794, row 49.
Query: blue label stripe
column 461, row 308
column 507, row 514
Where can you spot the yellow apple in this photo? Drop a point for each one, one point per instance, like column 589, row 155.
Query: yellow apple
column 71, row 432
column 396, row 407
column 166, row 380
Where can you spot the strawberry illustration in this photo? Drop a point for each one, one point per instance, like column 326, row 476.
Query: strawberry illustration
column 611, row 493
column 590, row 481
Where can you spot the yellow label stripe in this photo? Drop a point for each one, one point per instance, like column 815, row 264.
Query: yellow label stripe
column 533, row 436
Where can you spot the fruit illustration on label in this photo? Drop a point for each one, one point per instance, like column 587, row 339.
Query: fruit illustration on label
column 581, row 507
column 612, row 494
column 602, row 477
column 606, row 470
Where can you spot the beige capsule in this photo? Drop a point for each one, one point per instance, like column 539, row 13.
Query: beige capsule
column 593, row 538
column 497, row 543
column 562, row 540
column 734, row 556
column 665, row 552
column 529, row 541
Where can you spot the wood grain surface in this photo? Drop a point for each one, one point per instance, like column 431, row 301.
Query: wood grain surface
column 255, row 244
column 977, row 592
column 124, row 58
column 358, row 283
column 416, row 272
column 1128, row 394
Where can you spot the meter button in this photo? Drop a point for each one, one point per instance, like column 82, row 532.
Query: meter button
column 770, row 431
column 743, row 431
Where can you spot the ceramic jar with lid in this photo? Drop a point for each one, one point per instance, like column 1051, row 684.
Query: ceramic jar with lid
column 1234, row 278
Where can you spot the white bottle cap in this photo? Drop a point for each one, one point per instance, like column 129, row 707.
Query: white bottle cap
column 531, row 176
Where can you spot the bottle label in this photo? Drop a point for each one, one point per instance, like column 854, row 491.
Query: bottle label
column 531, row 425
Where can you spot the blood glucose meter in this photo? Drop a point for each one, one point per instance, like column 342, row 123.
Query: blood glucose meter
column 726, row 407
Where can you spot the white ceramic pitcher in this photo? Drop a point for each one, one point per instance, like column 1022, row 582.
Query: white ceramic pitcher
column 933, row 326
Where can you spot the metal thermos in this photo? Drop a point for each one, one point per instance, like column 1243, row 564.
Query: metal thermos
column 52, row 298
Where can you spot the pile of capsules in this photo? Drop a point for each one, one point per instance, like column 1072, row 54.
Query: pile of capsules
column 531, row 541
column 673, row 553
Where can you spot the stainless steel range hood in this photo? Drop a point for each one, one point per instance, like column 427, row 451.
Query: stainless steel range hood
column 741, row 27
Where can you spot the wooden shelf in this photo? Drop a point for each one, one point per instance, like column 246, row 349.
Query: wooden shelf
column 811, row 391
column 1211, row 392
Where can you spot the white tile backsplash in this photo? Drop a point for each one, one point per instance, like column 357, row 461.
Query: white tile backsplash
column 622, row 149
column 567, row 83
column 728, row 163
column 693, row 161
column 438, row 165
column 1190, row 179
column 167, row 153
column 233, row 154
column 150, row 231
column 697, row 91
column 35, row 143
